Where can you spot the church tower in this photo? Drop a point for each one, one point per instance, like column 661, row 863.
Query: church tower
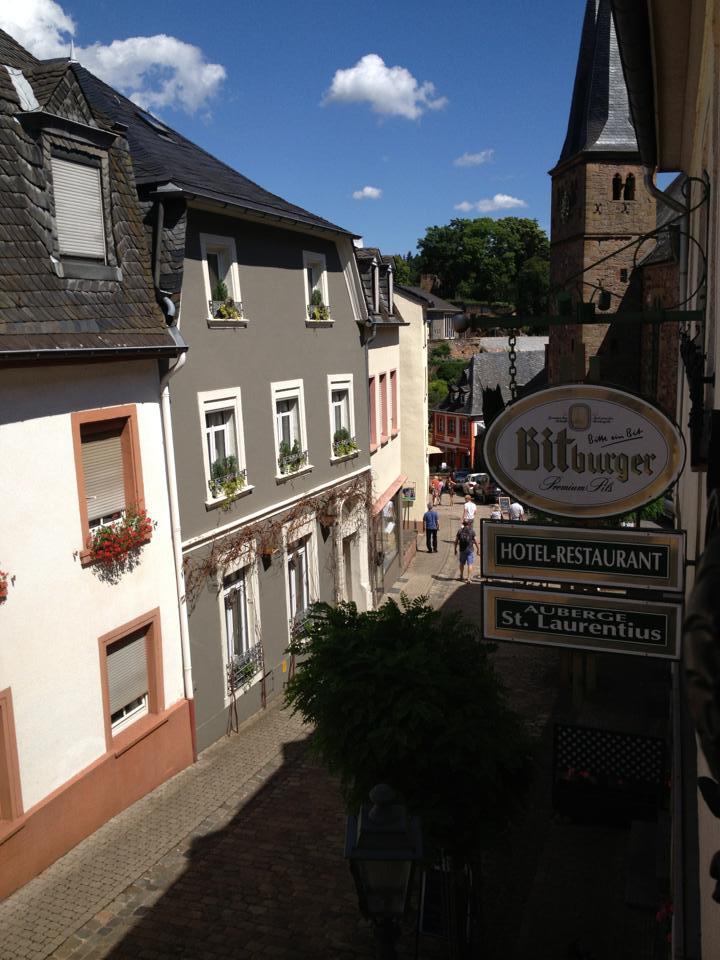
column 599, row 205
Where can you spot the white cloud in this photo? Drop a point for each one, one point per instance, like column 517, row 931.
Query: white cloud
column 501, row 201
column 474, row 159
column 156, row 72
column 367, row 193
column 391, row 91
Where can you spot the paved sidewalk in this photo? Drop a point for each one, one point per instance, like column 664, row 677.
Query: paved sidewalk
column 47, row 911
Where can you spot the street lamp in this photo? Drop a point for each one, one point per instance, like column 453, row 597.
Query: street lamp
column 383, row 844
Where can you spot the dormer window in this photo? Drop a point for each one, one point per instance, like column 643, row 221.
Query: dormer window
column 77, row 188
column 376, row 286
column 316, row 287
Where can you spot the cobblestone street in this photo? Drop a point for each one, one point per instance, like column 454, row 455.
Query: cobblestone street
column 240, row 856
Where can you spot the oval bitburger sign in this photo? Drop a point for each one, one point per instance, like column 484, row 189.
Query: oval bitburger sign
column 583, row 450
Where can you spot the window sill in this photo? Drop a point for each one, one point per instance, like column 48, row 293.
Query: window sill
column 9, row 828
column 384, row 439
column 217, row 323
column 373, row 447
column 86, row 558
column 221, row 501
column 86, row 270
column 284, row 477
column 246, row 688
column 394, row 434
column 137, row 732
column 346, row 456
column 311, row 324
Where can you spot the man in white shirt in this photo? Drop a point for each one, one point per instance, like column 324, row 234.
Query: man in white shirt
column 469, row 509
column 516, row 511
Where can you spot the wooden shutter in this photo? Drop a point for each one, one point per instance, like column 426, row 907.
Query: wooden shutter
column 78, row 209
column 104, row 475
column 127, row 671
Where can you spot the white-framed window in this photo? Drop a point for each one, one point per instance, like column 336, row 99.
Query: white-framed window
column 243, row 654
column 222, row 443
column 291, row 451
column 77, row 189
column 127, row 679
column 222, row 278
column 298, row 577
column 342, row 415
column 316, row 286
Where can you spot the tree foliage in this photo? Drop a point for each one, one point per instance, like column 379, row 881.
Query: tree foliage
column 407, row 695
column 407, row 269
column 450, row 370
column 437, row 391
column 533, row 287
column 482, row 259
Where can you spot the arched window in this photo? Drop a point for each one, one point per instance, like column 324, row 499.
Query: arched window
column 617, row 185
column 629, row 193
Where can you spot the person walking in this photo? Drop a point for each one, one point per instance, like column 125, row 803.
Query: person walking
column 495, row 512
column 467, row 545
column 437, row 491
column 431, row 525
column 451, row 490
column 469, row 509
column 516, row 512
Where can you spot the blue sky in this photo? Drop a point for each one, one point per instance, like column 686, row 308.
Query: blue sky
column 289, row 94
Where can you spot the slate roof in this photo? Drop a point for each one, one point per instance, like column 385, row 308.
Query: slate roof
column 436, row 303
column 365, row 258
column 161, row 155
column 490, row 370
column 663, row 251
column 600, row 119
column 40, row 311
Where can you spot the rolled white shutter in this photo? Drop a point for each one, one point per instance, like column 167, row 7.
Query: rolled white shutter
column 104, row 478
column 78, row 209
column 127, row 671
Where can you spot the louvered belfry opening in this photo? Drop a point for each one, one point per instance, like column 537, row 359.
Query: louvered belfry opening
column 104, row 471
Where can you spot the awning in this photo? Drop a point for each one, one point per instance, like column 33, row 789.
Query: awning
column 431, row 450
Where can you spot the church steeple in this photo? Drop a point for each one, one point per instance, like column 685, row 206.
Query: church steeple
column 600, row 120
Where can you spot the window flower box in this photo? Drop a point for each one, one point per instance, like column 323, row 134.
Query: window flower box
column 112, row 543
column 343, row 444
column 3, row 586
column 317, row 310
column 243, row 667
column 228, row 309
column 226, row 479
column 291, row 458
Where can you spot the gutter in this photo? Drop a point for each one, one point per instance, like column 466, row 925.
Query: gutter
column 83, row 353
column 176, row 533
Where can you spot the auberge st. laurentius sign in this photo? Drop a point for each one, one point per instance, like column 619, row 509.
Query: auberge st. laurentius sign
column 584, row 451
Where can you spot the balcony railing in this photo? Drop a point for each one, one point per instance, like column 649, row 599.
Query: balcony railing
column 243, row 667
column 226, row 309
column 227, row 484
column 292, row 462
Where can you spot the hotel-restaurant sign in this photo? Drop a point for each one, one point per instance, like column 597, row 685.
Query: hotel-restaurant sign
column 584, row 451
column 588, row 622
column 631, row 559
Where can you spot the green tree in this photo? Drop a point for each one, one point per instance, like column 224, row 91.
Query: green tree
column 440, row 352
column 533, row 287
column 407, row 269
column 407, row 695
column 437, row 391
column 481, row 259
column 450, row 370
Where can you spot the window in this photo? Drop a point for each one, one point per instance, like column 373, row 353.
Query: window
column 223, row 447
column 440, row 420
column 451, row 426
column 243, row 651
column 342, row 416
column 463, row 428
column 629, row 191
column 222, row 281
column 373, row 413
column 316, row 289
column 617, row 186
column 10, row 793
column 290, row 434
column 298, row 578
column 77, row 188
column 383, row 408
column 131, row 674
column 393, row 402
column 107, row 463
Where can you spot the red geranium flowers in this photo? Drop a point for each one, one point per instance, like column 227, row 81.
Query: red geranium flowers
column 111, row 543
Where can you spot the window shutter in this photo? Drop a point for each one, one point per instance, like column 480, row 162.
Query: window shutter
column 78, row 209
column 104, row 476
column 127, row 671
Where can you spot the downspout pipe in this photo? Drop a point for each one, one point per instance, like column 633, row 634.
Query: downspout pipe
column 171, row 473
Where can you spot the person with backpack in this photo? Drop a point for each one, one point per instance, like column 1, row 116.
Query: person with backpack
column 467, row 544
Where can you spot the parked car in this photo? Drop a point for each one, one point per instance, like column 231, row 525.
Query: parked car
column 459, row 477
column 482, row 487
